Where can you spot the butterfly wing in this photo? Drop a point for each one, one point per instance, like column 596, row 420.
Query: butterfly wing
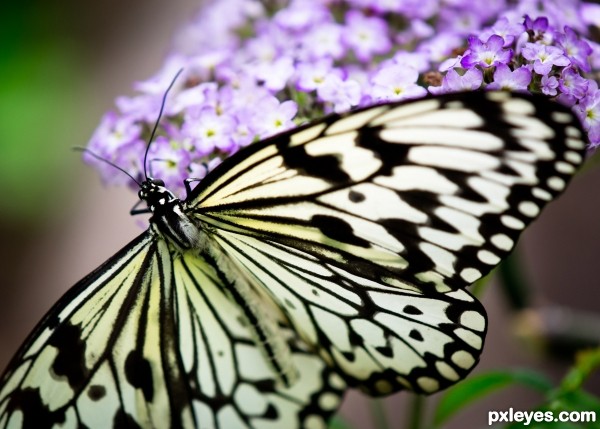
column 434, row 191
column 383, row 338
column 150, row 339
column 403, row 203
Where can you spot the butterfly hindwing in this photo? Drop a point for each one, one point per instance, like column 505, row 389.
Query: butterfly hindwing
column 383, row 338
column 150, row 339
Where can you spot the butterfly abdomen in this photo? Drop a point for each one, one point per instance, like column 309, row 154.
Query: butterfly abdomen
column 177, row 228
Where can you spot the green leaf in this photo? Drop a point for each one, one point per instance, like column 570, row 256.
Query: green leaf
column 576, row 401
column 479, row 386
column 586, row 363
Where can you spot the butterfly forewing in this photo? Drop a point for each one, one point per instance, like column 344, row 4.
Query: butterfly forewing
column 150, row 339
column 435, row 192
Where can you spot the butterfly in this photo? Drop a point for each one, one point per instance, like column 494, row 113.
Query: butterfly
column 335, row 254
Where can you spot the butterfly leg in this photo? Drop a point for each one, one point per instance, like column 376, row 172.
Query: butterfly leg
column 187, row 182
column 135, row 211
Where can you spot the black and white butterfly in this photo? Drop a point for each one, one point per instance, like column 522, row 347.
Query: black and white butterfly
column 333, row 254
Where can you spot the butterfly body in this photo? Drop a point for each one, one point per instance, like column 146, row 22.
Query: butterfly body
column 169, row 219
column 334, row 254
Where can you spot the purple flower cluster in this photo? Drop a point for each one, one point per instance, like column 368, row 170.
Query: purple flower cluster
column 250, row 72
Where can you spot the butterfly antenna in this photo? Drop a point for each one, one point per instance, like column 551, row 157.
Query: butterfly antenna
column 162, row 106
column 99, row 158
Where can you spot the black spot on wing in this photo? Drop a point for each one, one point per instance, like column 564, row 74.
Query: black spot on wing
column 96, row 392
column 391, row 154
column 411, row 309
column 123, row 420
column 326, row 167
column 337, row 229
column 271, row 413
column 415, row 335
column 355, row 196
column 139, row 374
column 36, row 415
column 407, row 233
column 70, row 360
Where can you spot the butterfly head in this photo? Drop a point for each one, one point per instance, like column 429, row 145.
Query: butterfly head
column 156, row 195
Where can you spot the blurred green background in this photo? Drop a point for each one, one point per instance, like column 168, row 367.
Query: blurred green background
column 61, row 66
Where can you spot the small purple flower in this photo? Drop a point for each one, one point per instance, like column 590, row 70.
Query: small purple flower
column 194, row 96
column 440, row 46
column 549, row 85
column 450, row 63
column 311, row 75
column 453, row 82
column 113, row 132
column 459, row 21
column 113, row 140
column 323, row 41
column 244, row 94
column 156, row 84
column 506, row 79
column 414, row 9
column 416, row 60
column 343, row 94
column 572, row 84
column 588, row 111
column 141, row 107
column 418, row 29
column 300, row 15
column 486, row 54
column 273, row 117
column 274, row 75
column 575, row 49
column 169, row 161
column 504, row 28
column 366, row 36
column 208, row 130
column 535, row 31
column 396, row 83
column 537, row 26
column 544, row 57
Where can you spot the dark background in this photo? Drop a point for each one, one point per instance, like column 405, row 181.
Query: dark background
column 61, row 66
